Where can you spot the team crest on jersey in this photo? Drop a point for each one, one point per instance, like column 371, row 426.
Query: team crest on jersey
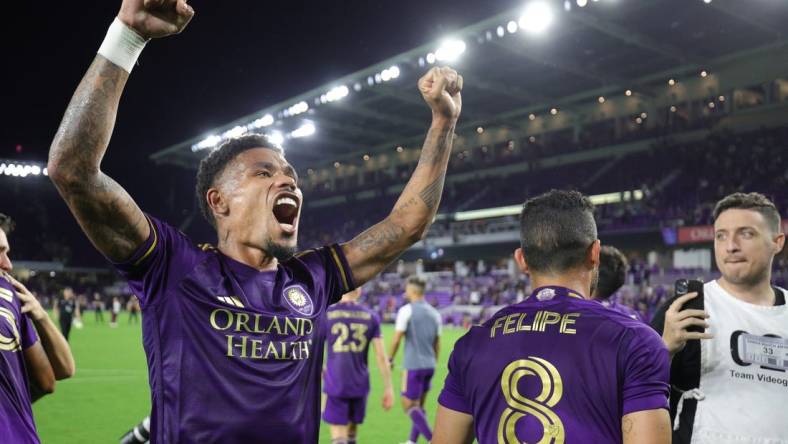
column 545, row 294
column 299, row 300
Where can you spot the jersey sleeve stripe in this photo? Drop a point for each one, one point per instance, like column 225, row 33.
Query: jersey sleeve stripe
column 152, row 245
column 342, row 272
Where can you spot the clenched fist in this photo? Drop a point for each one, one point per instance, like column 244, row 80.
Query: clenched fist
column 441, row 88
column 155, row 18
column 677, row 321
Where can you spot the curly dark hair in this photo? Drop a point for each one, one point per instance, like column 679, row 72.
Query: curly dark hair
column 556, row 229
column 613, row 267
column 6, row 223
column 750, row 201
column 214, row 164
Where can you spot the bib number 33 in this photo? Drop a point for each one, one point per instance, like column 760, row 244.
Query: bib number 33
column 540, row 407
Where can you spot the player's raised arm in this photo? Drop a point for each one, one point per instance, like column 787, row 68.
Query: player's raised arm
column 106, row 212
column 371, row 251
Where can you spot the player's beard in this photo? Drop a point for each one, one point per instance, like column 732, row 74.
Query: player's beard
column 280, row 252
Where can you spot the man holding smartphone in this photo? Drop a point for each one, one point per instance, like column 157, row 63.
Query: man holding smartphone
column 726, row 388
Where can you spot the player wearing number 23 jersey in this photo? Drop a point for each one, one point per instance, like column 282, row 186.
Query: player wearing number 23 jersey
column 351, row 328
column 556, row 368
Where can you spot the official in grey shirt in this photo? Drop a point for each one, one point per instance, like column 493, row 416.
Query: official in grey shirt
column 420, row 323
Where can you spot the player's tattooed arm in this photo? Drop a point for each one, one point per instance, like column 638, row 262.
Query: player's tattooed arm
column 105, row 211
column 371, row 251
column 109, row 216
column 646, row 427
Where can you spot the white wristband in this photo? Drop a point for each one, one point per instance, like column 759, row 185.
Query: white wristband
column 122, row 46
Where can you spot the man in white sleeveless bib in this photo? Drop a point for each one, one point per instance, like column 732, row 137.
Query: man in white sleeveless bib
column 733, row 388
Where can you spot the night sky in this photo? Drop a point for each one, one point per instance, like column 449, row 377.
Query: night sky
column 234, row 58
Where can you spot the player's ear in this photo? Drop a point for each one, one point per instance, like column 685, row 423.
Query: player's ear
column 519, row 258
column 592, row 255
column 779, row 243
column 217, row 202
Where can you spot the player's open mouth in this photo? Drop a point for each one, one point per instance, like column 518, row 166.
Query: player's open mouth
column 286, row 211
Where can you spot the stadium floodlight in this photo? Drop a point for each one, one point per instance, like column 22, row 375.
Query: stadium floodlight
column 430, row 58
column 298, row 108
column 36, row 170
column 536, row 18
column 234, row 132
column 276, row 138
column 511, row 27
column 46, row 172
column 357, row 87
column 335, row 93
column 601, row 99
column 266, row 120
column 582, row 3
column 305, row 130
column 370, row 81
column 394, row 70
column 707, row 1
column 450, row 50
column 704, row 73
column 378, row 78
column 567, row 5
column 208, row 142
column 499, row 31
column 628, row 93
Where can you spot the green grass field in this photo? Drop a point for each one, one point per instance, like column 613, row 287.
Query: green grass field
column 109, row 392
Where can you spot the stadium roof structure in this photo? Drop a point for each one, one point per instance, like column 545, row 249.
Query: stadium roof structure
column 516, row 66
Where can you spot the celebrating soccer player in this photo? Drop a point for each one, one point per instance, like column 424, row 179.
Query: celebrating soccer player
column 351, row 329
column 420, row 324
column 234, row 334
column 557, row 367
column 33, row 353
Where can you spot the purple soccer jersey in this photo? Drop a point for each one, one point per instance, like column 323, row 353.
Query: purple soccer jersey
column 623, row 309
column 234, row 354
column 17, row 333
column 556, row 367
column 351, row 328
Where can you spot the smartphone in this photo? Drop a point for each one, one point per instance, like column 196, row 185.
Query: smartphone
column 684, row 286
